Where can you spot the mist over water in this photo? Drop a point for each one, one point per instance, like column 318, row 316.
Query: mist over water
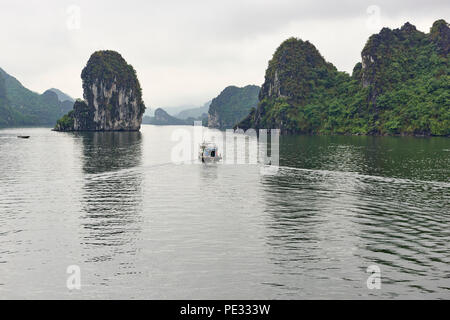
column 141, row 227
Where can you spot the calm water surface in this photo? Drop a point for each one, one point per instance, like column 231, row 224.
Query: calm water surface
column 140, row 227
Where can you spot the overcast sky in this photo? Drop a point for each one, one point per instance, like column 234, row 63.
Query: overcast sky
column 186, row 51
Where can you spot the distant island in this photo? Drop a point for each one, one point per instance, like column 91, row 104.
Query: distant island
column 225, row 111
column 401, row 87
column 20, row 106
column 112, row 97
column 195, row 113
column 162, row 118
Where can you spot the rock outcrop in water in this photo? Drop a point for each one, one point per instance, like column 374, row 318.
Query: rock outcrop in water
column 296, row 74
column 400, row 87
column 112, row 97
column 231, row 106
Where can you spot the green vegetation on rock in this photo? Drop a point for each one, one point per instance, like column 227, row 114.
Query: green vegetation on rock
column 66, row 122
column 402, row 86
column 112, row 69
column 112, row 97
column 20, row 106
column 231, row 106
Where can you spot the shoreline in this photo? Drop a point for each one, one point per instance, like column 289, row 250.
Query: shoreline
column 223, row 130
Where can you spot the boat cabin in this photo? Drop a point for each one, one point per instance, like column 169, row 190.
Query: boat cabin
column 208, row 152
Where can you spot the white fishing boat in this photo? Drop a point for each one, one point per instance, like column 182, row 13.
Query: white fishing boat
column 208, row 152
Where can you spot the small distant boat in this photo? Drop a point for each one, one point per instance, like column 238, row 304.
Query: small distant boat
column 208, row 152
column 23, row 137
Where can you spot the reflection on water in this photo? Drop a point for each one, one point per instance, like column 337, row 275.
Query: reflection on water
column 111, row 195
column 209, row 174
column 110, row 151
column 399, row 157
column 141, row 227
column 330, row 226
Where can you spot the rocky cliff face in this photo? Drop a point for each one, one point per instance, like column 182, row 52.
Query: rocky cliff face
column 231, row 106
column 112, row 96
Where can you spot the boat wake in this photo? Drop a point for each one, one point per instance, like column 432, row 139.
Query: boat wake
column 283, row 170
